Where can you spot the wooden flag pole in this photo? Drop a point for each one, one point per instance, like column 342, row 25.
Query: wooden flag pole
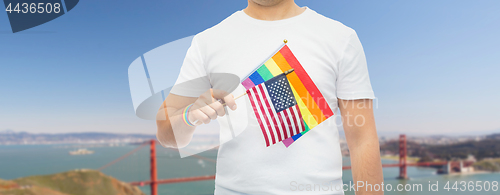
column 241, row 95
column 286, row 73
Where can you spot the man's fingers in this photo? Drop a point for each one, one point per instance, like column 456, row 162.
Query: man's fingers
column 224, row 95
column 202, row 111
column 207, row 97
column 209, row 111
column 219, row 94
column 230, row 102
column 207, row 108
column 198, row 116
column 217, row 106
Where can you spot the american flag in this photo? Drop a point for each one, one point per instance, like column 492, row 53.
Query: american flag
column 276, row 109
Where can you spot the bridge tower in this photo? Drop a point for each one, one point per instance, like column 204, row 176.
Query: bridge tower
column 154, row 178
column 402, row 157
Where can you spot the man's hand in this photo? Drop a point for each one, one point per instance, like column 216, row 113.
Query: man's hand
column 173, row 132
column 207, row 107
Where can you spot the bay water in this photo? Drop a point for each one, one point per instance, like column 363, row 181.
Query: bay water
column 25, row 160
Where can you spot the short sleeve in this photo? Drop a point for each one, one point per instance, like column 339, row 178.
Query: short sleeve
column 353, row 81
column 192, row 80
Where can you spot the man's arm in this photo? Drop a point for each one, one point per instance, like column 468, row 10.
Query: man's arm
column 172, row 106
column 173, row 131
column 362, row 140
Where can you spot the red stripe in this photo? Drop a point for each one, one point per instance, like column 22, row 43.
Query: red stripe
column 276, row 128
column 258, row 118
column 270, row 129
column 303, row 127
column 263, row 111
column 287, row 118
column 282, row 123
column 295, row 121
column 280, row 116
column 307, row 81
column 297, row 118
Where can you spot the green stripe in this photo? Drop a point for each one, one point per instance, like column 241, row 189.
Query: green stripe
column 264, row 73
column 307, row 128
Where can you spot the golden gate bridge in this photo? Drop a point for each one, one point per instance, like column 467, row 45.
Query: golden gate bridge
column 153, row 182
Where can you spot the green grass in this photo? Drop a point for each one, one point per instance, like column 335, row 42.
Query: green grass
column 78, row 182
column 488, row 165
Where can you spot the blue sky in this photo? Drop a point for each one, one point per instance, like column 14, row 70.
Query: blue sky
column 434, row 65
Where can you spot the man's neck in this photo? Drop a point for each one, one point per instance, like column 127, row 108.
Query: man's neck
column 285, row 9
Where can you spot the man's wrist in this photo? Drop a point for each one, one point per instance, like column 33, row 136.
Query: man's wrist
column 185, row 116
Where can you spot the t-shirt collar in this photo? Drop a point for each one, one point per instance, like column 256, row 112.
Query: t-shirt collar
column 296, row 18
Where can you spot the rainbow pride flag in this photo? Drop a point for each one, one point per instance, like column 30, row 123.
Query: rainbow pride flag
column 312, row 105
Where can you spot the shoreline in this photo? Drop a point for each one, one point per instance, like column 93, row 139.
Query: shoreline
column 478, row 172
column 396, row 158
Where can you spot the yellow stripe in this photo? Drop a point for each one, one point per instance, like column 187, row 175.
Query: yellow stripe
column 273, row 67
column 306, row 115
column 302, row 92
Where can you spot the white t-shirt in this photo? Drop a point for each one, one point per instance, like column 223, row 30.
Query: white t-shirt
column 330, row 53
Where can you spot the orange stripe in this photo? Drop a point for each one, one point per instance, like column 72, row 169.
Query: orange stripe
column 306, row 80
column 300, row 88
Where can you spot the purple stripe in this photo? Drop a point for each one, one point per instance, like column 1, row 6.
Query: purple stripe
column 247, row 83
column 288, row 141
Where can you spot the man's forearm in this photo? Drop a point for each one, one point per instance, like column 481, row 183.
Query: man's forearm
column 172, row 131
column 367, row 167
column 362, row 140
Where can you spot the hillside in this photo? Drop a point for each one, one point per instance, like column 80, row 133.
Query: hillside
column 481, row 149
column 15, row 138
column 77, row 182
column 489, row 164
column 488, row 148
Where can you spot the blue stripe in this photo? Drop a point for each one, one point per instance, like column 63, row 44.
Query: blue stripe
column 256, row 78
column 295, row 137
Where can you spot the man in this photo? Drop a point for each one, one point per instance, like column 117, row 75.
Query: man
column 333, row 57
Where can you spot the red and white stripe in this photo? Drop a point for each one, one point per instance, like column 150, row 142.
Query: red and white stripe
column 275, row 126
